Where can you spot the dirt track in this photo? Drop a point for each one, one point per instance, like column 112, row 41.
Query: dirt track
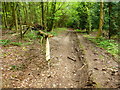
column 79, row 63
column 71, row 69
column 75, row 63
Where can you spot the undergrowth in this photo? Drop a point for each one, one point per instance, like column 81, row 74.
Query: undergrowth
column 56, row 31
column 30, row 36
column 109, row 45
column 8, row 42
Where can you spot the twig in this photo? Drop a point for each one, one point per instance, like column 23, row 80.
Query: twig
column 71, row 58
column 82, row 67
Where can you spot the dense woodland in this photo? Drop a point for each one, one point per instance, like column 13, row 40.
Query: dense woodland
column 60, row 44
column 102, row 16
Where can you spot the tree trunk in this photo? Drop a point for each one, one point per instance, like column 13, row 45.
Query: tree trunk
column 47, row 12
column 42, row 7
column 101, row 20
column 50, row 26
column 5, row 15
column 25, row 13
column 15, row 17
column 88, row 21
column 110, row 29
column 20, row 17
column 30, row 14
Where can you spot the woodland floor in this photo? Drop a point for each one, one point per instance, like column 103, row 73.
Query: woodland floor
column 75, row 62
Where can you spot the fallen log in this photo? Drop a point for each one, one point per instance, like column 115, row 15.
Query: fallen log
column 46, row 34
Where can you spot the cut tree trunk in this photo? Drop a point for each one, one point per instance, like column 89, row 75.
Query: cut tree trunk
column 47, row 50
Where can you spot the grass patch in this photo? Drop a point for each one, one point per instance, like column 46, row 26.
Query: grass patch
column 60, row 29
column 53, row 33
column 27, row 43
column 81, row 31
column 56, row 31
column 16, row 43
column 109, row 45
column 8, row 42
column 4, row 42
column 78, row 30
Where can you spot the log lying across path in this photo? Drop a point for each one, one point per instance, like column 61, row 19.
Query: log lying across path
column 46, row 34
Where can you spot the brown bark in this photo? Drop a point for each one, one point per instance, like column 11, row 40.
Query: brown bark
column 46, row 34
column 51, row 21
column 15, row 16
column 101, row 20
column 5, row 14
column 42, row 7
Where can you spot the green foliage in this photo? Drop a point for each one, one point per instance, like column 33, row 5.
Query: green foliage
column 53, row 33
column 30, row 35
column 8, row 42
column 109, row 45
column 60, row 29
column 13, row 67
column 78, row 30
column 81, row 31
column 16, row 43
column 82, row 15
column 27, row 43
column 4, row 42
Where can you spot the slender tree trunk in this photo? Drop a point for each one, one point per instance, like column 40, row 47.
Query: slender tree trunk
column 5, row 15
column 88, row 21
column 110, row 29
column 25, row 13
column 50, row 26
column 42, row 7
column 15, row 16
column 47, row 12
column 101, row 20
column 20, row 17
column 30, row 14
